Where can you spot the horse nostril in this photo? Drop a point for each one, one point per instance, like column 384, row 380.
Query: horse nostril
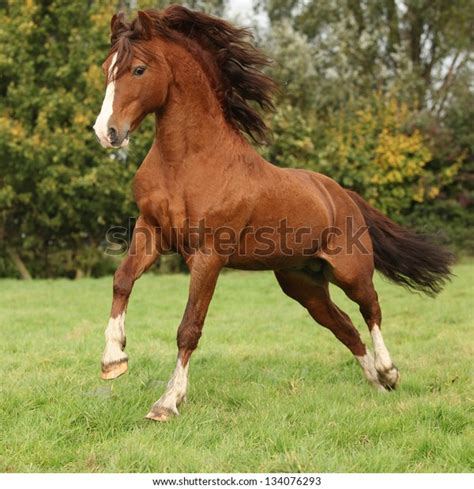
column 112, row 135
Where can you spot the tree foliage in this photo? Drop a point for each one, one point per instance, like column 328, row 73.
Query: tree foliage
column 58, row 192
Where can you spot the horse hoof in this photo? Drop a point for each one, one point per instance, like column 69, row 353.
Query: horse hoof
column 114, row 370
column 389, row 378
column 160, row 414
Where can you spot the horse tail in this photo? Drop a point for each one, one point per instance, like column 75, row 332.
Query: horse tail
column 404, row 256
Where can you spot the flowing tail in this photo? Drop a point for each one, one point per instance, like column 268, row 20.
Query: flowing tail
column 403, row 256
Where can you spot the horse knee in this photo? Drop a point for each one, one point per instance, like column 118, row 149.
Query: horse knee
column 188, row 336
column 123, row 283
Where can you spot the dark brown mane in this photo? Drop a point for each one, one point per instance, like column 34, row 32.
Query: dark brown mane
column 235, row 73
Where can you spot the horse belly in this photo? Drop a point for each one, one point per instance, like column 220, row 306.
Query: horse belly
column 266, row 248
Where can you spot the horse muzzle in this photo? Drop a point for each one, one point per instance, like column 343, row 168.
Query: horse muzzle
column 112, row 137
column 116, row 139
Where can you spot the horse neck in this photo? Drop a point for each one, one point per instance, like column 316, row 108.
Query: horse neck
column 191, row 121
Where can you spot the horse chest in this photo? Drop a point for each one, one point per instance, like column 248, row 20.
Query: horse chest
column 162, row 209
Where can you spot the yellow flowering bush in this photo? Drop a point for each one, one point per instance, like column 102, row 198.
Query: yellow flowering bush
column 376, row 151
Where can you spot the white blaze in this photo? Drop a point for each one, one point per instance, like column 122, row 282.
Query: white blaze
column 101, row 124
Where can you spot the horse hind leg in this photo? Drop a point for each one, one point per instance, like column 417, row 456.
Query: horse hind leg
column 367, row 299
column 359, row 287
column 312, row 292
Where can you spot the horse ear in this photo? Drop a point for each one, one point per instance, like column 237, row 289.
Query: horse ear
column 112, row 22
column 146, row 24
column 116, row 20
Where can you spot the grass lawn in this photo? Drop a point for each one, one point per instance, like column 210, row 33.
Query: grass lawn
column 270, row 390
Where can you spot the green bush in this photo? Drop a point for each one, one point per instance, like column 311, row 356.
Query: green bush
column 447, row 219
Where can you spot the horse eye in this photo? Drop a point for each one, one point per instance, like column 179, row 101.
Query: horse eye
column 139, row 70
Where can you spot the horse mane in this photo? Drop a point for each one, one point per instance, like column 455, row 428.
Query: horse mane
column 233, row 64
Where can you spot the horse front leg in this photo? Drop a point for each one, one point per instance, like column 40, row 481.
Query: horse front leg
column 204, row 272
column 143, row 252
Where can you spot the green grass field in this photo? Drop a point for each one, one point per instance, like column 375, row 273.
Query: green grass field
column 269, row 389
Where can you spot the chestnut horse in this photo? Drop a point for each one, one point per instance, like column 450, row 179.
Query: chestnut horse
column 205, row 192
